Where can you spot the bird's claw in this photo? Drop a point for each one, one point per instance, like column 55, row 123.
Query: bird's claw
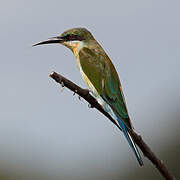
column 89, row 91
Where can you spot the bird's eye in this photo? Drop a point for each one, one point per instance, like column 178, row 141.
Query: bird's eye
column 70, row 37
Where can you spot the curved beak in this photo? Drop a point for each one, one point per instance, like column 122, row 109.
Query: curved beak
column 50, row 41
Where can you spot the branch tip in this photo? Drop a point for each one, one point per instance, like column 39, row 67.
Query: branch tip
column 51, row 74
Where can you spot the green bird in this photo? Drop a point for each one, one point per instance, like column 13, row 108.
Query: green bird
column 100, row 76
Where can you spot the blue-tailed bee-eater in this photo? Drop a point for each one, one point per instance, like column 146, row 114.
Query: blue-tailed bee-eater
column 100, row 75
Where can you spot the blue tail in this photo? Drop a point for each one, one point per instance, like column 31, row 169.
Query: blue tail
column 130, row 141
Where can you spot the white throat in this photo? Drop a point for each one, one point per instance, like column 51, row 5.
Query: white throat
column 75, row 46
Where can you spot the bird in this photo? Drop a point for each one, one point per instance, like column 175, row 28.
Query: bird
column 100, row 76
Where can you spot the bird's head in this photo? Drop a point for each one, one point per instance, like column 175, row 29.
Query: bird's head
column 71, row 38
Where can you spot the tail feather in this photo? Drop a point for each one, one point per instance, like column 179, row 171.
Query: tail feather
column 130, row 141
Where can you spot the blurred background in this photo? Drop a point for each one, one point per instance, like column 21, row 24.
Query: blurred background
column 49, row 134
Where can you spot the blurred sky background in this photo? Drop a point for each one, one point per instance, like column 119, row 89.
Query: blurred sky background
column 49, row 134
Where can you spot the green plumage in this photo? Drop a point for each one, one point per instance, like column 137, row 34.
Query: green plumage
column 101, row 72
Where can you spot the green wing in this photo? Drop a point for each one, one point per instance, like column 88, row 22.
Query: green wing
column 101, row 72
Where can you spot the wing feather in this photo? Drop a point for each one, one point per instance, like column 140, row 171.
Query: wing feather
column 101, row 72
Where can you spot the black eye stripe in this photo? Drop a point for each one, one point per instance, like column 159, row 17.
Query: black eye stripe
column 73, row 37
column 70, row 36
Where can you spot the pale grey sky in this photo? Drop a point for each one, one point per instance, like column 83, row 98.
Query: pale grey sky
column 47, row 132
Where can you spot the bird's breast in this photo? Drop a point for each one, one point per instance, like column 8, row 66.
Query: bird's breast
column 87, row 81
column 76, row 49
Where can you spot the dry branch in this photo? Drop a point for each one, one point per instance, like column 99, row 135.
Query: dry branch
column 84, row 93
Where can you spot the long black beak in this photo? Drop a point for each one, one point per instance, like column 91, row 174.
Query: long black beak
column 50, row 41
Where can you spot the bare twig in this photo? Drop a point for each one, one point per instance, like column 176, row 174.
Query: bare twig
column 84, row 93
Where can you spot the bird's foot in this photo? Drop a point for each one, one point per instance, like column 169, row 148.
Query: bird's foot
column 89, row 91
